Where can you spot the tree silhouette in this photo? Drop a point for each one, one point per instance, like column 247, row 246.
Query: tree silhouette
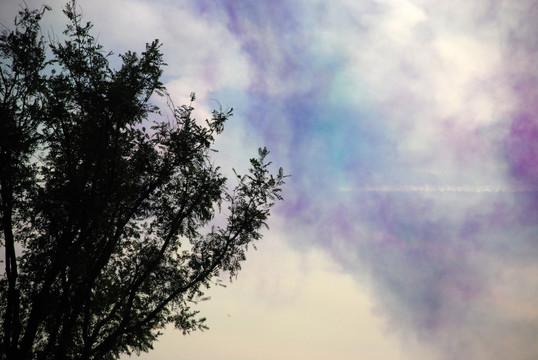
column 105, row 216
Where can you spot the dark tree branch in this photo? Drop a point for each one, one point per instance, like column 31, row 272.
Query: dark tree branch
column 101, row 218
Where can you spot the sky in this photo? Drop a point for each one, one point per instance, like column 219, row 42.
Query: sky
column 409, row 228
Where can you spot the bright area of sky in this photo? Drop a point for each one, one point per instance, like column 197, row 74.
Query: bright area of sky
column 410, row 225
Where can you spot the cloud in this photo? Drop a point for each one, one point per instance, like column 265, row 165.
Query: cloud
column 434, row 188
column 410, row 131
column 285, row 304
column 418, row 95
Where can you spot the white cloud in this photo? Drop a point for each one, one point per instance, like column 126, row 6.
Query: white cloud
column 202, row 56
column 286, row 305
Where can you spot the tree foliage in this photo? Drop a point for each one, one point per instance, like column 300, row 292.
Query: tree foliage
column 106, row 216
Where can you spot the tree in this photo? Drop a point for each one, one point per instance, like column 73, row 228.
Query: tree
column 106, row 220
